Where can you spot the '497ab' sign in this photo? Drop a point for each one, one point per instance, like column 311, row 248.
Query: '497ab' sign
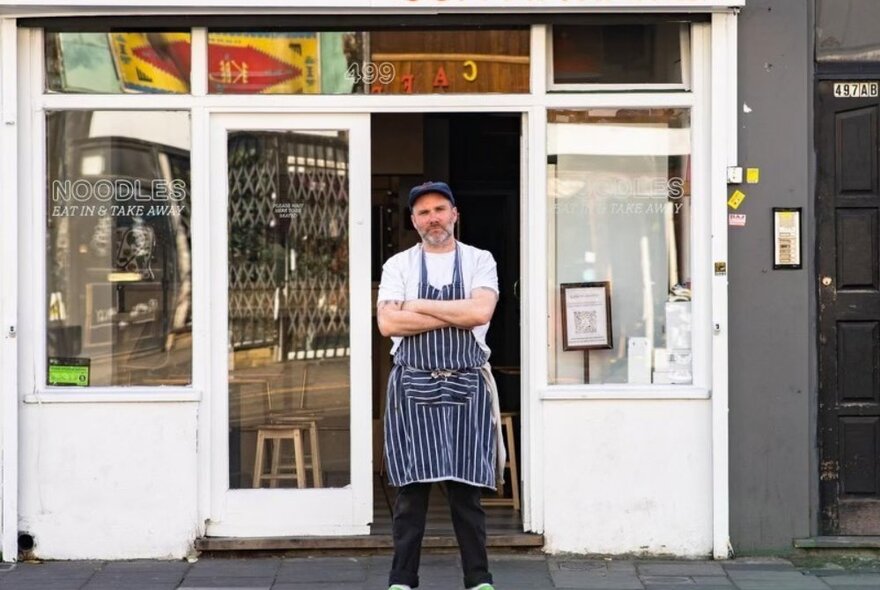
column 857, row 89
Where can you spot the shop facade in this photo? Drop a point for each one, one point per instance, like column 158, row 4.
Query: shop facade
column 205, row 195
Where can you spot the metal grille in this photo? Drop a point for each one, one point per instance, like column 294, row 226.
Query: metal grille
column 288, row 243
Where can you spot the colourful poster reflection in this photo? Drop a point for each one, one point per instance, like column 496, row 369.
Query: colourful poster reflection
column 265, row 63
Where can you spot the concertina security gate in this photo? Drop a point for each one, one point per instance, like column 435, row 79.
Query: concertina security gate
column 288, row 243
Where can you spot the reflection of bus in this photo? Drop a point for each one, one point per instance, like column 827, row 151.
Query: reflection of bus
column 119, row 278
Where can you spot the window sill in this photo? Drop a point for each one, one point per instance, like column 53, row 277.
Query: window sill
column 111, row 395
column 625, row 391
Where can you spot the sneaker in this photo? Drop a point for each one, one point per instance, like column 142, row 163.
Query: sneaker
column 483, row 587
column 400, row 587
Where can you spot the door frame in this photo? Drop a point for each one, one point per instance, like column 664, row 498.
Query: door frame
column 288, row 511
column 532, row 174
column 9, row 285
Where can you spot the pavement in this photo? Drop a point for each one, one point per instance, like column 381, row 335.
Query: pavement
column 438, row 572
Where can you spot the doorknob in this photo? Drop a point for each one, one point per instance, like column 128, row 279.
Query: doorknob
column 826, row 281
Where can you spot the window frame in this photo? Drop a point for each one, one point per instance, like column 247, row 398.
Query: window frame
column 534, row 105
column 686, row 85
column 697, row 102
column 31, row 43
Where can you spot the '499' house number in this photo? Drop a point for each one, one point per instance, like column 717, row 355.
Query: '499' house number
column 372, row 72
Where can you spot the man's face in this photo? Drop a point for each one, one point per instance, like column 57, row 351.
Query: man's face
column 434, row 218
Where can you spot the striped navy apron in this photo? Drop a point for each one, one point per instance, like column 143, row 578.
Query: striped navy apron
column 438, row 419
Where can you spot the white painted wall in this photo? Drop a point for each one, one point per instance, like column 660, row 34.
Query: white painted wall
column 628, row 476
column 108, row 480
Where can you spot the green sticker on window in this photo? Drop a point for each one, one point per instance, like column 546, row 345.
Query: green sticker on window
column 69, row 371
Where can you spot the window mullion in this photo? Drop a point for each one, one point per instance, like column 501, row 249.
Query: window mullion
column 199, row 70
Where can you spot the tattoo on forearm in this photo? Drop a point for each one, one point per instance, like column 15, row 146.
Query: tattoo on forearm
column 391, row 304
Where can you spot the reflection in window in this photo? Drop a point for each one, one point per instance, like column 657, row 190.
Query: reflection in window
column 381, row 62
column 620, row 54
column 116, row 63
column 289, row 313
column 118, row 259
column 620, row 197
column 846, row 31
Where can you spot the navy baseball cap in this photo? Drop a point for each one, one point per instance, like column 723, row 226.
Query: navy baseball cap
column 440, row 188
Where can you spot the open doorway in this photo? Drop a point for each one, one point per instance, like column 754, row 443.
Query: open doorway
column 479, row 155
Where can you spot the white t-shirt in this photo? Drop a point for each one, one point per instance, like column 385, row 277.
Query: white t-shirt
column 402, row 272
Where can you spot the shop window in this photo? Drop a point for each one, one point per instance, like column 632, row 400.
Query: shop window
column 623, row 54
column 620, row 260
column 118, row 63
column 378, row 62
column 118, row 248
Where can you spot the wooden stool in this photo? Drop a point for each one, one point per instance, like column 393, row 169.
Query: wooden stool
column 278, row 433
column 510, row 444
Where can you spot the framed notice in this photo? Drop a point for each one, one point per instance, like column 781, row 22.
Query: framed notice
column 586, row 315
column 787, row 237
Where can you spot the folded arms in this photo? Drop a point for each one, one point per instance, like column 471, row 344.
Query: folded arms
column 407, row 318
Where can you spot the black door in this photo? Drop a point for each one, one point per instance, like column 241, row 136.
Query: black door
column 848, row 265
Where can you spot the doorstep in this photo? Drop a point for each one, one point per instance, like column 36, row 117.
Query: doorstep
column 839, row 542
column 510, row 541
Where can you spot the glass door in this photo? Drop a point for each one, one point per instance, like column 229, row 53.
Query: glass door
column 290, row 330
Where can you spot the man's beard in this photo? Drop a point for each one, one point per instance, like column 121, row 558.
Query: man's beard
column 437, row 239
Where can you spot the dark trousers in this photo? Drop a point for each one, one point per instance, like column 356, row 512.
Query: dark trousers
column 408, row 528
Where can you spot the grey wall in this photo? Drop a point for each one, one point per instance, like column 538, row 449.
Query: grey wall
column 772, row 334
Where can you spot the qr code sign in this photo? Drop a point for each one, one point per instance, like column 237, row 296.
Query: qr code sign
column 585, row 322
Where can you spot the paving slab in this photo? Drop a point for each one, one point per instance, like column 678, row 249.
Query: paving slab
column 338, row 570
column 620, row 567
column 757, row 567
column 44, row 585
column 681, row 568
column 768, row 575
column 92, row 585
column 23, row 581
column 149, row 577
column 239, row 568
column 56, row 569
column 713, row 581
column 770, row 580
column 144, row 566
column 590, row 574
column 516, row 574
column 263, row 583
column 761, row 563
column 852, row 580
column 665, row 580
